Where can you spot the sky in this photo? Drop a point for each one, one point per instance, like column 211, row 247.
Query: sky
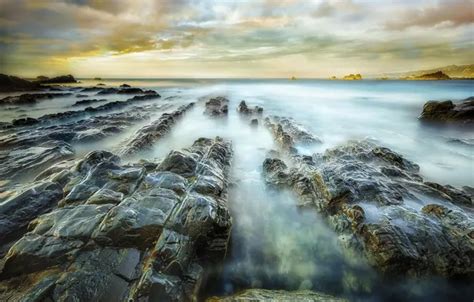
column 232, row 39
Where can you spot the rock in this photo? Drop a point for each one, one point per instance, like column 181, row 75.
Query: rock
column 11, row 84
column 367, row 194
column 115, row 105
column 107, row 91
column 16, row 162
column 88, row 101
column 105, row 196
column 146, row 136
column 218, row 106
column 33, row 253
column 454, row 195
column 128, row 234
column 130, row 91
column 125, row 86
column 64, row 79
column 256, row 294
column 447, row 111
column 29, row 98
column 352, row 77
column 254, row 123
column 244, row 109
column 17, row 211
column 288, row 132
column 27, row 121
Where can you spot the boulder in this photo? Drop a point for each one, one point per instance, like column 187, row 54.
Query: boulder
column 447, row 111
column 245, row 110
column 218, row 106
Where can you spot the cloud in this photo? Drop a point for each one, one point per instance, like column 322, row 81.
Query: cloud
column 447, row 12
column 193, row 33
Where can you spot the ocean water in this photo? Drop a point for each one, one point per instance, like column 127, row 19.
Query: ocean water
column 274, row 244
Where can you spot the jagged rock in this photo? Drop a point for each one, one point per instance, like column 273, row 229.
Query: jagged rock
column 30, row 98
column 146, row 136
column 88, row 101
column 277, row 295
column 367, row 194
column 447, row 111
column 28, row 121
column 11, row 83
column 60, row 79
column 115, row 105
column 16, row 162
column 35, row 252
column 289, row 133
column 244, row 109
column 217, row 106
column 17, row 211
column 106, row 91
column 121, row 232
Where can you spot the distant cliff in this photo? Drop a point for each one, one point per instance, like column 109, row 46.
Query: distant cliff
column 439, row 75
column 452, row 71
column 352, row 77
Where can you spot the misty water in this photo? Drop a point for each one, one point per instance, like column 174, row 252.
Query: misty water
column 274, row 244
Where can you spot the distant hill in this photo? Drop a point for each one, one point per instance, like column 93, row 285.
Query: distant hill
column 439, row 75
column 453, row 71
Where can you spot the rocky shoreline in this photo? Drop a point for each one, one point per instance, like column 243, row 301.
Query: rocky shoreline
column 110, row 226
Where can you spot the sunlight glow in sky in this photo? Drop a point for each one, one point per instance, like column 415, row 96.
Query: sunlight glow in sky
column 253, row 38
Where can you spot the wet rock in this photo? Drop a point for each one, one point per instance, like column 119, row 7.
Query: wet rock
column 105, row 196
column 288, row 133
column 454, row 195
column 70, row 222
column 104, row 175
column 277, row 295
column 254, row 123
column 124, row 86
column 447, row 111
column 30, row 98
column 106, row 91
column 244, row 109
column 17, row 162
column 122, row 232
column 88, row 101
column 17, row 211
column 35, row 252
column 27, row 121
column 11, row 84
column 367, row 194
column 146, row 136
column 98, row 275
column 114, row 105
column 64, row 79
column 218, row 106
